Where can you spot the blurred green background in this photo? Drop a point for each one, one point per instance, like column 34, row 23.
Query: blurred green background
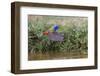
column 75, row 44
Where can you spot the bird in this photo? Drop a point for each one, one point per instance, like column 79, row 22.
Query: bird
column 53, row 33
column 52, row 29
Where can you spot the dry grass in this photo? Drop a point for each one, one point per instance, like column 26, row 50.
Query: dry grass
column 56, row 55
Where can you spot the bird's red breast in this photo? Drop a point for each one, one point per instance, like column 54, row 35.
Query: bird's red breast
column 45, row 33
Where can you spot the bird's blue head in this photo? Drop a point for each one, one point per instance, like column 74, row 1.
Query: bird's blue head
column 56, row 27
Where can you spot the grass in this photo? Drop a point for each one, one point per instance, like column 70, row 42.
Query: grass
column 75, row 30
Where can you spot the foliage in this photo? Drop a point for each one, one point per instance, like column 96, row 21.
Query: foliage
column 75, row 37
